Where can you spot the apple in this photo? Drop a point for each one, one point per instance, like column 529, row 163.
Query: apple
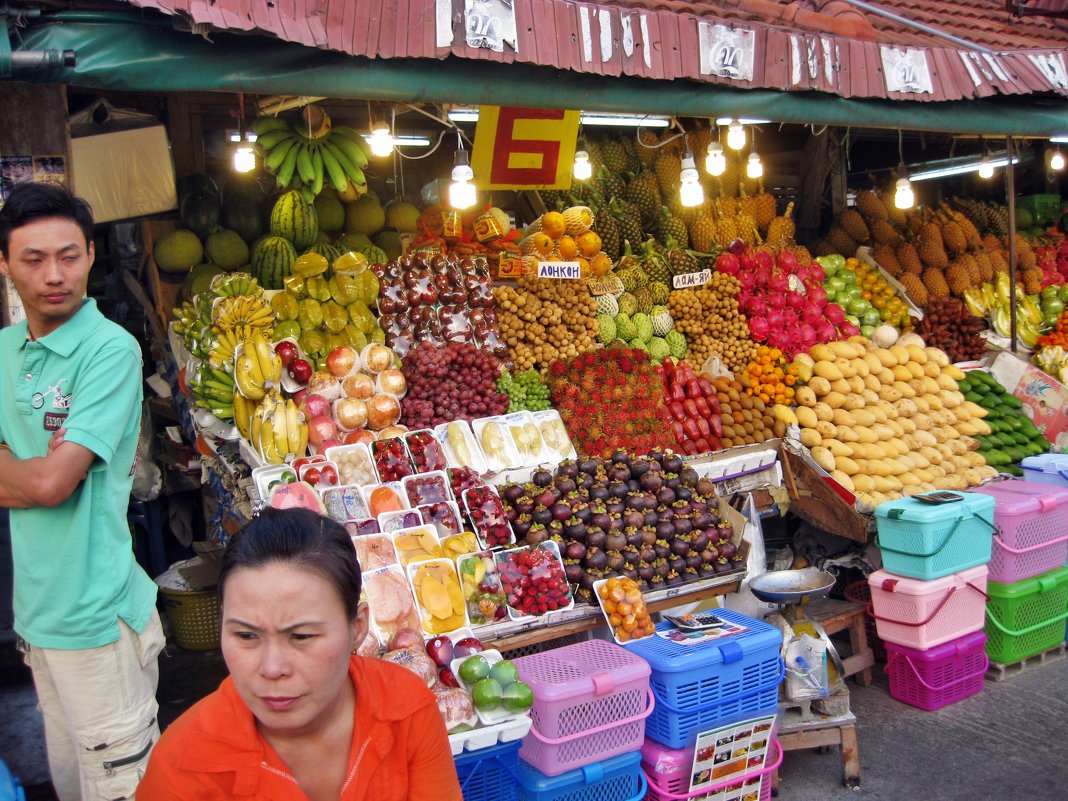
column 315, row 406
column 393, row 382
column 447, row 677
column 320, row 429
column 378, row 358
column 468, row 646
column 350, row 413
column 299, row 396
column 299, row 370
column 357, row 436
column 342, row 360
column 358, row 385
column 382, row 410
column 287, row 351
column 440, row 650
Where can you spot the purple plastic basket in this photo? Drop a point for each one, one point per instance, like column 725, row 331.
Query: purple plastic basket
column 591, row 700
column 1033, row 523
column 939, row 676
column 678, row 788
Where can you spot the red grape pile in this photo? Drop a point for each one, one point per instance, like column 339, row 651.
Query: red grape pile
column 455, row 381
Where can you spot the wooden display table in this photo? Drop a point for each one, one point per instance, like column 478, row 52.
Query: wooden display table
column 585, row 617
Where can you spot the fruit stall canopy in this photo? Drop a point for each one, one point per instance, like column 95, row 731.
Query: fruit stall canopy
column 788, row 74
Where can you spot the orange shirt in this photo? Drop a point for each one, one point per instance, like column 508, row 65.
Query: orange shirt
column 400, row 749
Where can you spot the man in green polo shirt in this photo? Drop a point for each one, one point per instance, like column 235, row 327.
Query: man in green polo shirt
column 70, row 391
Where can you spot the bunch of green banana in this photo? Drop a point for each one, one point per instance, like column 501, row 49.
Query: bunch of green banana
column 242, row 310
column 190, row 324
column 335, row 154
column 235, row 284
column 277, row 429
column 213, row 389
column 257, row 368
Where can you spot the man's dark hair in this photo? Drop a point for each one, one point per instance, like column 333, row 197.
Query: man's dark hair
column 299, row 538
column 29, row 202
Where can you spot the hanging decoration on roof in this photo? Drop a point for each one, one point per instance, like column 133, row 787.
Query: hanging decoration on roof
column 727, row 52
column 524, row 148
column 1051, row 65
column 490, row 24
column 906, row 70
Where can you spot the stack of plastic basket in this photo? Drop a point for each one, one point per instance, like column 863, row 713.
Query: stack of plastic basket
column 591, row 701
column 725, row 690
column 929, row 600
column 1028, row 578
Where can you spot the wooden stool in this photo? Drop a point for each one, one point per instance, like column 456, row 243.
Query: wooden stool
column 835, row 616
column 796, row 732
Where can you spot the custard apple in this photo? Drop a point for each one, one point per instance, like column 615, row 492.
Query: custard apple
column 625, row 329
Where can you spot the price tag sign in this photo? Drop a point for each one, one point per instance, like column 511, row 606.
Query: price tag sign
column 687, row 280
column 559, row 269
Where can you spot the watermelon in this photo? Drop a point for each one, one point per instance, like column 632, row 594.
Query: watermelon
column 197, row 182
column 242, row 208
column 331, row 252
column 199, row 212
column 295, row 219
column 272, row 261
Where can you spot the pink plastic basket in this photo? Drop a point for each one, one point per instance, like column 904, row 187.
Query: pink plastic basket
column 940, row 676
column 1033, row 519
column 923, row 614
column 677, row 786
column 591, row 700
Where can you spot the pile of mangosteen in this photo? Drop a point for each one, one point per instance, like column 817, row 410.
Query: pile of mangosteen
column 647, row 517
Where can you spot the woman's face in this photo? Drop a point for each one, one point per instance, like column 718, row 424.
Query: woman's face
column 287, row 642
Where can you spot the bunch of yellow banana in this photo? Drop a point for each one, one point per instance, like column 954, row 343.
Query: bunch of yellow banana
column 257, row 368
column 223, row 345
column 998, row 299
column 277, row 429
column 239, row 310
column 307, row 160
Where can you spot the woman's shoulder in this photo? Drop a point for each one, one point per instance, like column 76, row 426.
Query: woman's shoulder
column 399, row 690
column 216, row 718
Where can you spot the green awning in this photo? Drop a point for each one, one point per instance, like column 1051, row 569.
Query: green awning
column 119, row 52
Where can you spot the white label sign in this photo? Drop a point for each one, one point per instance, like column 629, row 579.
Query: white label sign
column 1051, row 65
column 691, row 279
column 727, row 52
column 490, row 24
column 906, row 70
column 559, row 269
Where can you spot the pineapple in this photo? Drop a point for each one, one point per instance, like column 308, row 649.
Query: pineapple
column 986, row 267
column 702, row 232
column 764, row 211
column 672, row 229
column 647, row 147
column 1000, row 260
column 971, row 266
column 612, row 185
column 656, row 267
column 629, row 222
column 953, row 237
column 680, row 262
column 841, row 242
column 781, row 229
column 1025, row 257
column 886, row 258
column 957, row 279
column 909, row 259
column 935, row 282
column 614, row 155
column 606, row 226
column 872, row 206
column 731, row 178
column 644, row 192
column 853, row 224
column 885, row 234
column 668, row 168
column 915, row 289
column 931, row 251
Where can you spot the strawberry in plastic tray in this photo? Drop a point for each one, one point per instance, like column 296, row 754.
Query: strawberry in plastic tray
column 427, row 488
column 444, row 515
column 426, row 451
column 486, row 513
column 463, row 478
column 391, row 459
column 533, row 580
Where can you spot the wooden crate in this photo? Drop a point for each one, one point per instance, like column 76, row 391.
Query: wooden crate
column 163, row 287
column 815, row 501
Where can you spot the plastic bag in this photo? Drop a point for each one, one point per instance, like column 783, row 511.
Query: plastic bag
column 148, row 478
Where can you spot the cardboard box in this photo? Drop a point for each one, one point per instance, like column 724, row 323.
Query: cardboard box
column 1045, row 399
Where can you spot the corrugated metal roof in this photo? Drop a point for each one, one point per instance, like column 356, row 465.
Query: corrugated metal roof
column 890, row 49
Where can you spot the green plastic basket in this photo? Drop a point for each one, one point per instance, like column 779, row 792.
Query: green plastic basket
column 1044, row 208
column 1026, row 617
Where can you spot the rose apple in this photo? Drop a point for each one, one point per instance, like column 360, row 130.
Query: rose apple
column 341, row 360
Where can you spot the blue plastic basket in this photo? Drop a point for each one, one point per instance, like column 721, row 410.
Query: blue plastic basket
column 700, row 687
column 1046, row 468
column 927, row 541
column 617, row 779
column 10, row 788
column 489, row 774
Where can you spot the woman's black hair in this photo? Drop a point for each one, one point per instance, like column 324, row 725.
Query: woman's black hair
column 30, row 202
column 303, row 539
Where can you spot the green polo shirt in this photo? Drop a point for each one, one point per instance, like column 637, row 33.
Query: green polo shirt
column 75, row 571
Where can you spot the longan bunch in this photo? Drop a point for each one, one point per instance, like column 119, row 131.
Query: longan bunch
column 712, row 323
column 543, row 320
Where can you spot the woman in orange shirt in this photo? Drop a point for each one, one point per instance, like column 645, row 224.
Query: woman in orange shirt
column 301, row 716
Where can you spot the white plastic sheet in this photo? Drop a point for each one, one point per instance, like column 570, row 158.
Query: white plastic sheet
column 125, row 174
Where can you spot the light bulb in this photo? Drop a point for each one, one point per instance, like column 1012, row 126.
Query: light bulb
column 461, row 191
column 381, row 140
column 691, row 193
column 1056, row 161
column 244, row 159
column 903, row 196
column 715, row 161
column 735, row 136
column 754, row 168
column 582, row 169
column 986, row 169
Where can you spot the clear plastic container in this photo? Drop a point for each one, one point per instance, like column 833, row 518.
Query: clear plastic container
column 391, row 459
column 427, row 453
column 384, row 497
column 437, row 596
column 391, row 604
column 445, row 516
column 375, row 551
column 486, row 513
column 354, row 463
column 554, row 435
column 402, row 518
column 320, row 475
column 425, row 488
column 528, row 440
column 487, row 717
column 460, row 446
column 482, row 590
column 417, row 544
column 521, row 568
column 344, row 503
column 498, row 447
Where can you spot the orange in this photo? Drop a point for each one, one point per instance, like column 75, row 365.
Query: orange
column 553, row 224
column 589, row 243
column 567, row 247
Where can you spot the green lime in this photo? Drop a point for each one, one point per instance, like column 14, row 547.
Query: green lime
column 473, row 669
column 486, row 694
column 517, row 697
column 504, row 673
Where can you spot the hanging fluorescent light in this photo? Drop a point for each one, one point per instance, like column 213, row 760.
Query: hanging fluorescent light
column 994, row 162
column 381, row 140
column 1056, row 161
column 582, row 169
column 904, row 198
column 461, row 190
column 986, row 168
column 405, row 140
column 1059, row 139
column 735, row 136
column 691, row 193
column 463, row 114
column 715, row 161
column 754, row 168
column 244, row 159
column 741, row 120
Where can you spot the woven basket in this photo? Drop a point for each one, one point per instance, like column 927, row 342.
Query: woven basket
column 193, row 617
